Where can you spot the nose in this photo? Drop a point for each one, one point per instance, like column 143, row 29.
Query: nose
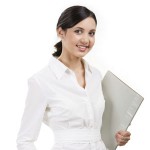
column 85, row 40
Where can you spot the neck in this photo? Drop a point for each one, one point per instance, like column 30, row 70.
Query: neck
column 71, row 62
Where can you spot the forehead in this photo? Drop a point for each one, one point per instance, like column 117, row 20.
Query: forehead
column 88, row 23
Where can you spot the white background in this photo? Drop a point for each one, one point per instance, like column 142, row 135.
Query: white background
column 27, row 36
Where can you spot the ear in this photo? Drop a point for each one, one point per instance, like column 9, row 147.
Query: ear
column 60, row 32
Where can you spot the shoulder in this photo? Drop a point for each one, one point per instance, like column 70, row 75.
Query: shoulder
column 41, row 76
column 39, row 73
column 46, row 71
column 42, row 79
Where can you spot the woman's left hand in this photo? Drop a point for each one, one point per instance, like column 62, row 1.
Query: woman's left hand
column 122, row 137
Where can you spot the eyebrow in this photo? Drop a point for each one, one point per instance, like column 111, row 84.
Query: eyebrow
column 84, row 29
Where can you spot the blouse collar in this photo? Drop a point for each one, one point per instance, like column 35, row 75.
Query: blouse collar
column 59, row 68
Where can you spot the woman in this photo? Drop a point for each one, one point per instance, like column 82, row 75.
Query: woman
column 67, row 93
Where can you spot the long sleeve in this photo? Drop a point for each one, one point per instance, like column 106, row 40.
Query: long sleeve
column 32, row 117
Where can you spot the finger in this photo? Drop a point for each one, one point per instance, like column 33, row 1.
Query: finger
column 126, row 133
column 122, row 141
column 118, row 135
column 125, row 138
column 120, row 132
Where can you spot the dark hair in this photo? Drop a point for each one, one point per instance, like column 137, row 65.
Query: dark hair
column 69, row 18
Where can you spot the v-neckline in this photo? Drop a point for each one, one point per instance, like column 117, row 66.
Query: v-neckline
column 76, row 80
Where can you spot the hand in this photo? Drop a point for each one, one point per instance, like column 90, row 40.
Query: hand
column 122, row 137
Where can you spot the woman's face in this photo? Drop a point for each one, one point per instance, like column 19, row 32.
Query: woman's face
column 78, row 40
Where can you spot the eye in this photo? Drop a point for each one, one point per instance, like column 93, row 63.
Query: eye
column 78, row 31
column 92, row 34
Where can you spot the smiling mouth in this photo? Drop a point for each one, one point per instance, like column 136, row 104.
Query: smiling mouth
column 82, row 48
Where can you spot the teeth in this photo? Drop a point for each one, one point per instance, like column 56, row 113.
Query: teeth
column 82, row 46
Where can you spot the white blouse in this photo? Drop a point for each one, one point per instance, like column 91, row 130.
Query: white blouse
column 73, row 113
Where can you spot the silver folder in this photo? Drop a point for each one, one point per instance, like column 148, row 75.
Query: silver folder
column 121, row 105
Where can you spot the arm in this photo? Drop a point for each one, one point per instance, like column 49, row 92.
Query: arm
column 32, row 117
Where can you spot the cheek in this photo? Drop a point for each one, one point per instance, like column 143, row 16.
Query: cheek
column 92, row 42
column 75, row 38
column 72, row 39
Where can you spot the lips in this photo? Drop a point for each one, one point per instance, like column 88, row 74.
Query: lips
column 82, row 47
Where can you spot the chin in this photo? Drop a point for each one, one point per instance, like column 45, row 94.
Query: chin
column 81, row 55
